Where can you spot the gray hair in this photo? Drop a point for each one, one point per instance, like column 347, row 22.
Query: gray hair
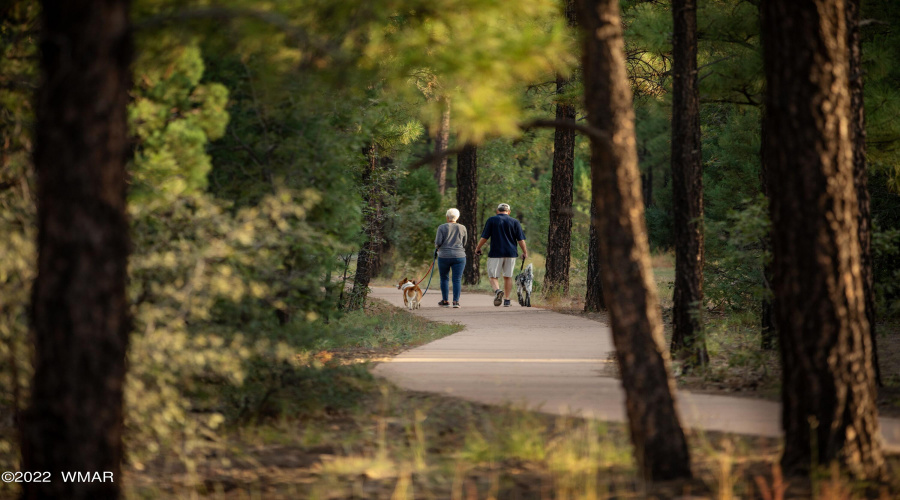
column 453, row 214
column 503, row 207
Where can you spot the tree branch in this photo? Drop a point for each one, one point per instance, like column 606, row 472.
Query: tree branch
column 589, row 131
column 433, row 157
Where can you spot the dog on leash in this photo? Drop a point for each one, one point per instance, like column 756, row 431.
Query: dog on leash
column 412, row 294
column 524, row 280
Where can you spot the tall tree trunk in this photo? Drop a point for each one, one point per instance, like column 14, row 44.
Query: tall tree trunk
column 636, row 321
column 593, row 297
column 79, row 312
column 860, row 173
column 688, row 340
column 467, row 204
column 380, row 245
column 441, row 143
column 828, row 388
column 768, row 332
column 559, row 238
column 371, row 191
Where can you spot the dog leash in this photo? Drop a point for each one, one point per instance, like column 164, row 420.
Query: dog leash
column 429, row 273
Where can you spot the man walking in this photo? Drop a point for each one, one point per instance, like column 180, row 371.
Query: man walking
column 504, row 232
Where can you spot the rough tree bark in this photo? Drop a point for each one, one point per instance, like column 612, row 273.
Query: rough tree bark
column 372, row 218
column 467, row 204
column 637, row 329
column 593, row 297
column 441, row 143
column 79, row 312
column 559, row 237
column 688, row 341
column 860, row 172
column 828, row 388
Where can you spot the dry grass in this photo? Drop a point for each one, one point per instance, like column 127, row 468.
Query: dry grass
column 406, row 445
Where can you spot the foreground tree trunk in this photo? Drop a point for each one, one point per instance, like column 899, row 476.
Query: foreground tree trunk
column 79, row 309
column 467, row 204
column 861, row 174
column 659, row 442
column 593, row 297
column 559, row 237
column 441, row 143
column 688, row 340
column 372, row 223
column 828, row 388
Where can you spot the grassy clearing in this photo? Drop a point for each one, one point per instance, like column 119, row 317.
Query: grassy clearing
column 380, row 330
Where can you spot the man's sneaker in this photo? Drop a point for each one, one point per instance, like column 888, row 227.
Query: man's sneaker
column 506, row 303
column 455, row 304
column 498, row 297
column 444, row 303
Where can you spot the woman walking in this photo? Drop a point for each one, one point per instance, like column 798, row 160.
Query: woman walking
column 451, row 243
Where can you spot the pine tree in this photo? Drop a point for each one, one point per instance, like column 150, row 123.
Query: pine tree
column 79, row 313
column 373, row 223
column 559, row 237
column 441, row 143
column 861, row 172
column 636, row 320
column 828, row 382
column 688, row 341
column 467, row 204
column 594, row 301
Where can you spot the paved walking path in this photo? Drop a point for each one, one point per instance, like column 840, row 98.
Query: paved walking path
column 553, row 362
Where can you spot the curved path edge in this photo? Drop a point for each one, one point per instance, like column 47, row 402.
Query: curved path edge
column 554, row 363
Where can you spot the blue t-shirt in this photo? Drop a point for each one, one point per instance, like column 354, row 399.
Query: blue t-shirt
column 504, row 232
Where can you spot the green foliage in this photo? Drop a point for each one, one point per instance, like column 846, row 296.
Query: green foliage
column 18, row 74
column 736, row 256
column 216, row 294
column 885, row 250
column 652, row 126
column 411, row 224
column 880, row 52
column 246, row 187
column 173, row 117
column 477, row 53
column 504, row 176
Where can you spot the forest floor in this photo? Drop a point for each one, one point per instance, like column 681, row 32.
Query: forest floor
column 401, row 444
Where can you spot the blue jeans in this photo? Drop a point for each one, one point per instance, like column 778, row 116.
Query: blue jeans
column 444, row 267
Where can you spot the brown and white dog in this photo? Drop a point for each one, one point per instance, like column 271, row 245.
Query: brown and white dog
column 412, row 294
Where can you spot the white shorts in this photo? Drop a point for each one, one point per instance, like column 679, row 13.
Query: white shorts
column 496, row 265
